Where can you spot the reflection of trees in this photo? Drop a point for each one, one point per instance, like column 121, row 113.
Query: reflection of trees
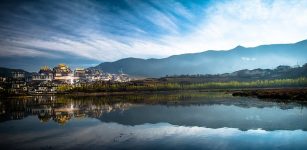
column 63, row 108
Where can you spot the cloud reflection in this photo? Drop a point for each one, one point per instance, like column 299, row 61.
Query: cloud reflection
column 113, row 135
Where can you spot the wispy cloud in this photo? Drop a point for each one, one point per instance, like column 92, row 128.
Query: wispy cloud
column 107, row 31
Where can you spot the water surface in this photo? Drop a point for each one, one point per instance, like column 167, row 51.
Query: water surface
column 152, row 121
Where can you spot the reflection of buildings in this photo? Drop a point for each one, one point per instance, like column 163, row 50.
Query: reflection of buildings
column 62, row 117
column 47, row 108
column 43, row 112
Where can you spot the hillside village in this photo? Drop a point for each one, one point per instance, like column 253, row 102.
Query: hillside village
column 47, row 80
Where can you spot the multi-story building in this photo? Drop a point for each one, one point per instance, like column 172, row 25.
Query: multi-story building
column 63, row 73
column 2, row 79
column 80, row 72
column 19, row 87
column 44, row 74
column 18, row 75
column 120, row 77
column 46, row 87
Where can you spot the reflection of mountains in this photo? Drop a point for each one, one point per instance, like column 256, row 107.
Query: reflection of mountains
column 213, row 111
column 215, row 116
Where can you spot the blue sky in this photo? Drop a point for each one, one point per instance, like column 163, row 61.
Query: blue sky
column 90, row 32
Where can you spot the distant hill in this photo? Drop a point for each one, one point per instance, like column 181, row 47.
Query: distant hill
column 7, row 72
column 281, row 72
column 212, row 62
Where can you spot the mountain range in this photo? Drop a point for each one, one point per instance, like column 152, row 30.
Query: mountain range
column 212, row 61
column 281, row 72
column 7, row 72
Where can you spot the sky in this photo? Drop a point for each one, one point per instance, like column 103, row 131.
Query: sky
column 87, row 32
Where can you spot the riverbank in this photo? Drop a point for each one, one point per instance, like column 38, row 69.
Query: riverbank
column 286, row 94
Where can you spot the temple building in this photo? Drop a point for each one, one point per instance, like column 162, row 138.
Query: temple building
column 44, row 74
column 63, row 73
column 80, row 72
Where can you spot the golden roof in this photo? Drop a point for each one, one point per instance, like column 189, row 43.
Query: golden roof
column 79, row 69
column 44, row 68
column 62, row 65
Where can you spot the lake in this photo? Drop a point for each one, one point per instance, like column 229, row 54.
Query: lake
column 192, row 120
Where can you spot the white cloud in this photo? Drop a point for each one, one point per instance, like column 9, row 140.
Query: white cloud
column 247, row 23
column 223, row 25
column 21, row 51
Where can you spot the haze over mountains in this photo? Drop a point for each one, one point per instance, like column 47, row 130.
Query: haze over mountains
column 207, row 62
column 213, row 62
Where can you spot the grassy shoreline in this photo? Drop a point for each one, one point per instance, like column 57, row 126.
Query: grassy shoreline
column 250, row 88
column 281, row 93
column 297, row 94
column 169, row 86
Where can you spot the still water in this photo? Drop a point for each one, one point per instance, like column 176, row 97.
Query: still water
column 151, row 121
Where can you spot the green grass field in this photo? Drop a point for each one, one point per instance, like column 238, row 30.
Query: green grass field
column 164, row 86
